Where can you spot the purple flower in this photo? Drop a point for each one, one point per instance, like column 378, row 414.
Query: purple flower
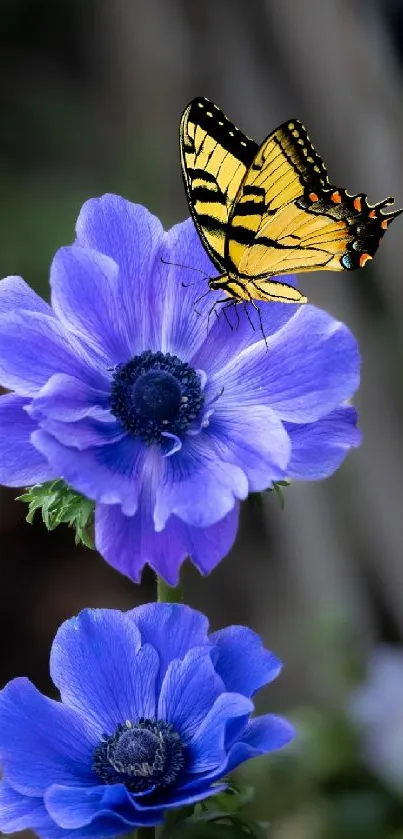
column 154, row 713
column 122, row 390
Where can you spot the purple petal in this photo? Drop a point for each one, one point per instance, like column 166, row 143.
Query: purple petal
column 15, row 294
column 198, row 486
column 184, row 627
column 85, row 297
column 68, row 399
column 183, row 329
column 239, row 328
column 190, row 688
column 263, row 734
column 133, row 238
column 101, row 670
column 20, row 463
column 318, row 448
column 41, row 741
column 252, row 438
column 33, row 346
column 109, row 474
column 309, row 368
column 207, row 747
column 242, row 661
column 115, row 535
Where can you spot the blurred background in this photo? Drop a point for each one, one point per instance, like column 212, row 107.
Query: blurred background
column 91, row 96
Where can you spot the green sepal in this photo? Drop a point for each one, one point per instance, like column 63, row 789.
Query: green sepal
column 60, row 504
column 216, row 818
column 277, row 488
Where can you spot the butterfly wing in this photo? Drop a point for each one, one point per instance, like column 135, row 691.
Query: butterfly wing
column 215, row 157
column 287, row 217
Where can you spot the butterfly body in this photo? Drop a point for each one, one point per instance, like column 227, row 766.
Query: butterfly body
column 263, row 211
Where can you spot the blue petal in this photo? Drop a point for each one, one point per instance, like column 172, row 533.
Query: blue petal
column 102, row 671
column 33, row 346
column 318, row 448
column 41, row 741
column 15, row 294
column 266, row 733
column 18, row 811
column 308, row 369
column 75, row 807
column 254, row 439
column 198, row 486
column 243, row 663
column 133, row 238
column 207, row 749
column 115, row 535
column 110, row 474
column 172, row 629
column 20, row 463
column 85, row 297
column 189, row 689
column 227, row 340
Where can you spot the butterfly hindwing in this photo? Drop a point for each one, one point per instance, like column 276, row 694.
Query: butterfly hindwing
column 306, row 223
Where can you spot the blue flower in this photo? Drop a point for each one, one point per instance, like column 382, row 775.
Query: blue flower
column 154, row 713
column 165, row 418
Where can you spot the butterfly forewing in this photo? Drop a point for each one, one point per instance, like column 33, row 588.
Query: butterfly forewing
column 215, row 157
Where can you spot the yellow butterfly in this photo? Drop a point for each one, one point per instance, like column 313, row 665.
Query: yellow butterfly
column 263, row 211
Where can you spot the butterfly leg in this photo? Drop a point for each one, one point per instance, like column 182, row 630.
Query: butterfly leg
column 259, row 314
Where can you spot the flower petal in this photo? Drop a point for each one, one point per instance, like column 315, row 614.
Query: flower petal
column 15, row 294
column 238, row 327
column 198, row 487
column 41, row 741
column 318, row 448
column 75, row 807
column 185, row 314
column 254, row 439
column 189, row 689
column 133, row 238
column 106, row 473
column 33, row 346
column 22, row 812
column 69, row 399
column 171, row 628
column 20, row 463
column 102, row 671
column 207, row 747
column 263, row 734
column 307, row 370
column 85, row 297
column 165, row 551
column 241, row 660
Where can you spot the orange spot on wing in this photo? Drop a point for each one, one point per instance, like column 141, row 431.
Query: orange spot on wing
column 313, row 196
column 384, row 224
column 372, row 214
column 336, row 197
column 358, row 204
column 364, row 259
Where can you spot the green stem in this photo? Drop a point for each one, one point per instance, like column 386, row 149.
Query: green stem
column 168, row 594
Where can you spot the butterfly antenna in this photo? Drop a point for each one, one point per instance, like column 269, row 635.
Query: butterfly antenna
column 188, row 267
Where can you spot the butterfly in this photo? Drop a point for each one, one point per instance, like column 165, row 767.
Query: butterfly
column 263, row 211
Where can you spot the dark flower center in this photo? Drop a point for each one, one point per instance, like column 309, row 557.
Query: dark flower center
column 156, row 393
column 142, row 756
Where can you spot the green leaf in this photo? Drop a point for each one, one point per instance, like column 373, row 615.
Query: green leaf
column 60, row 504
